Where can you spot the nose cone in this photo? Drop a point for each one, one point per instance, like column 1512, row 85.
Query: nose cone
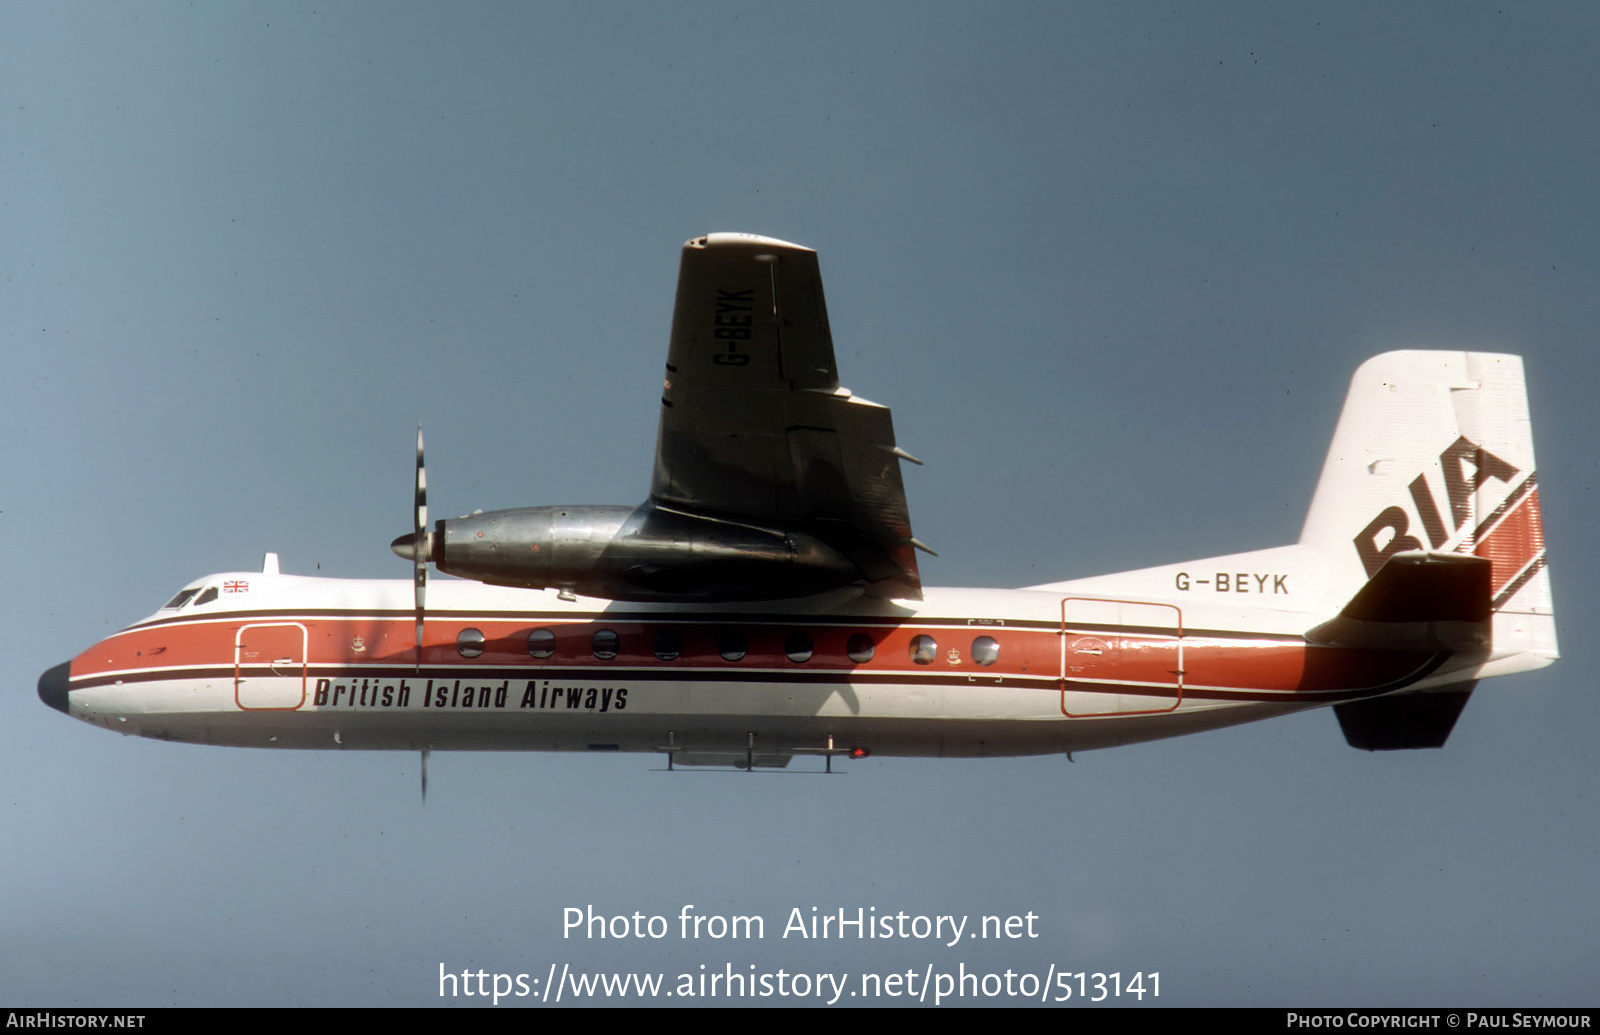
column 53, row 686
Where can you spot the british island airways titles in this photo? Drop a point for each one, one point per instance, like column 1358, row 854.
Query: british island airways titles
column 461, row 695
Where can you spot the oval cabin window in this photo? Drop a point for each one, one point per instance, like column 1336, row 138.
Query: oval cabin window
column 469, row 643
column 541, row 643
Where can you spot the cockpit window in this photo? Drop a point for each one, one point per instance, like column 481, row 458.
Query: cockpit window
column 179, row 600
column 207, row 597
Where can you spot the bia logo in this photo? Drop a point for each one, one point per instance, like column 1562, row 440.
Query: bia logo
column 1466, row 467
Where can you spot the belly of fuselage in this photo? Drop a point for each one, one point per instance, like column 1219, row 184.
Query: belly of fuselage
column 662, row 717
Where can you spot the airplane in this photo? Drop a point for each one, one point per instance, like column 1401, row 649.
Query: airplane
column 765, row 601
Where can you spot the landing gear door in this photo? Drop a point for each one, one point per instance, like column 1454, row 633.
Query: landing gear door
column 1120, row 657
column 269, row 666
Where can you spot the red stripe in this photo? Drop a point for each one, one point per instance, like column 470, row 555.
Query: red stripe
column 1513, row 544
column 1025, row 654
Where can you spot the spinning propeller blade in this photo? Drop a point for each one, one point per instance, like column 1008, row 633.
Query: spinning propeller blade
column 420, row 551
column 418, row 546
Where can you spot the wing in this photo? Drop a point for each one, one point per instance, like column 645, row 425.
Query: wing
column 754, row 424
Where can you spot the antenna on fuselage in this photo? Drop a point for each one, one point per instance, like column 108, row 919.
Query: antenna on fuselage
column 425, row 776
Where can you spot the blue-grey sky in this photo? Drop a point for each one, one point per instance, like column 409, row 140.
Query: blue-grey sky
column 1112, row 266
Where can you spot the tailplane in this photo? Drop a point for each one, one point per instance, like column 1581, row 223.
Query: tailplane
column 1417, row 601
column 1433, row 602
column 1404, row 722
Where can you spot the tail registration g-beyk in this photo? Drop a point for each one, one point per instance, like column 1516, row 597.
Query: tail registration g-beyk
column 765, row 601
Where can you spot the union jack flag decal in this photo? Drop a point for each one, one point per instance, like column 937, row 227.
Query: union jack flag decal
column 236, row 587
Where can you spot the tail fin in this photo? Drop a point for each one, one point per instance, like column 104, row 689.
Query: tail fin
column 1434, row 452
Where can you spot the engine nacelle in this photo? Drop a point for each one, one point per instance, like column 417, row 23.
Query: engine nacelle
column 637, row 553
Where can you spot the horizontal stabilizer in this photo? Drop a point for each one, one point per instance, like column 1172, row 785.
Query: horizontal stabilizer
column 1416, row 601
column 1404, row 721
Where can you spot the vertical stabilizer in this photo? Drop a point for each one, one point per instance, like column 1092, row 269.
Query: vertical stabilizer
column 1434, row 453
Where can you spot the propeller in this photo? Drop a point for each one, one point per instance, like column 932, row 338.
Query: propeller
column 420, row 551
column 418, row 546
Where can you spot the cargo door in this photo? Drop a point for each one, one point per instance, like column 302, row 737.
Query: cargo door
column 1120, row 657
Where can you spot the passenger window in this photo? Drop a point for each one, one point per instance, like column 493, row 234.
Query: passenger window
column 798, row 647
column 668, row 645
column 731, row 645
column 860, row 648
column 606, row 644
column 986, row 650
column 469, row 643
column 207, row 597
column 541, row 643
column 924, row 649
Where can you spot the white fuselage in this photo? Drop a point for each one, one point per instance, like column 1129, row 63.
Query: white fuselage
column 286, row 661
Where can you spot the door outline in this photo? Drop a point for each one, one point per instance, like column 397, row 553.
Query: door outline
column 1159, row 619
column 279, row 665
